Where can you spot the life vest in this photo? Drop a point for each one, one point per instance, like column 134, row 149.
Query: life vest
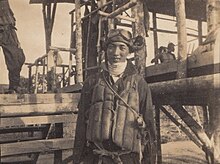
column 110, row 118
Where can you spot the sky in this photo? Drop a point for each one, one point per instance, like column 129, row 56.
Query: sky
column 30, row 31
column 29, row 22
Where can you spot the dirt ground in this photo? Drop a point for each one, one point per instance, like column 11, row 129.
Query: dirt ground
column 182, row 152
column 178, row 152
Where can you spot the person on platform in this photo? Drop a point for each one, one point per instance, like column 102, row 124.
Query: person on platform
column 14, row 55
column 165, row 54
column 115, row 122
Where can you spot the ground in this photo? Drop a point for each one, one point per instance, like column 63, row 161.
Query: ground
column 182, row 152
column 178, row 152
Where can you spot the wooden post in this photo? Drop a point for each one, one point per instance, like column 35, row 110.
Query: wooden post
column 79, row 68
column 159, row 151
column 59, row 134
column 139, row 29
column 213, row 14
column 182, row 37
column 29, row 78
column 63, row 75
column 44, row 73
column 200, row 31
column 48, row 22
column 155, row 35
column 71, row 44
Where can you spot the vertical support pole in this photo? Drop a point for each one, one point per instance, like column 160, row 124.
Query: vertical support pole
column 29, row 78
column 36, row 79
column 200, row 31
column 79, row 68
column 63, row 75
column 139, row 29
column 213, row 14
column 182, row 37
column 159, row 152
column 59, row 134
column 44, row 73
column 71, row 44
column 70, row 67
column 155, row 35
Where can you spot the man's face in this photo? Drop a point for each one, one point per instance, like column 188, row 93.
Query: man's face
column 117, row 52
column 171, row 49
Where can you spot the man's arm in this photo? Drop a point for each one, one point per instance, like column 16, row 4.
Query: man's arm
column 146, row 107
column 80, row 133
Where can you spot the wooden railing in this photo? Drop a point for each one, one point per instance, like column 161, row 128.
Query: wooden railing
column 34, row 124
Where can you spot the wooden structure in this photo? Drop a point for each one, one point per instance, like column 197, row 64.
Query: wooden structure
column 192, row 80
column 30, row 118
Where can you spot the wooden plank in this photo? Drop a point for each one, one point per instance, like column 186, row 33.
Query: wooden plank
column 36, row 146
column 21, row 129
column 17, row 159
column 37, row 109
column 19, row 139
column 48, row 98
column 51, row 119
column 71, row 88
column 51, row 1
column 8, row 98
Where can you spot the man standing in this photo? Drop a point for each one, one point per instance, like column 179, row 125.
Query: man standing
column 165, row 55
column 115, row 122
column 14, row 56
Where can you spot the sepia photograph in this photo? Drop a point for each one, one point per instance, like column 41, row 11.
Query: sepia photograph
column 109, row 81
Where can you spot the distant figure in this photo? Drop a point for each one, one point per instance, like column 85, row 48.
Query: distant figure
column 14, row 56
column 165, row 54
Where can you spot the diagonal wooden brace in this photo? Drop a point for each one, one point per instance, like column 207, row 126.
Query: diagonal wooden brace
column 193, row 125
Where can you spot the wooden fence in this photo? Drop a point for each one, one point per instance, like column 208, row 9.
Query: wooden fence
column 34, row 124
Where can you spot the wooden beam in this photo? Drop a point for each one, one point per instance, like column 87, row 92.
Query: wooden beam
column 79, row 64
column 23, row 121
column 193, row 125
column 195, row 90
column 200, row 83
column 73, row 50
column 118, row 16
column 36, row 146
column 179, row 125
column 39, row 109
column 182, row 37
column 122, row 9
column 47, row 98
